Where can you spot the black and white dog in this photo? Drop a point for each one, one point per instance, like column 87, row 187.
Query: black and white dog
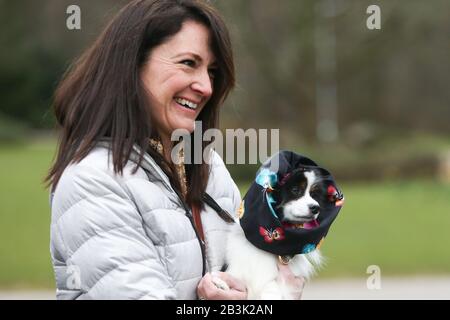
column 298, row 197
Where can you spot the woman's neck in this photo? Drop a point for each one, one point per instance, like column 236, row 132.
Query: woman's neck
column 167, row 148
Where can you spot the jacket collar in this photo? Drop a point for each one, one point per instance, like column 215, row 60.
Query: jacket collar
column 148, row 163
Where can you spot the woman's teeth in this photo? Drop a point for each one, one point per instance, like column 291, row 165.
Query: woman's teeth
column 186, row 103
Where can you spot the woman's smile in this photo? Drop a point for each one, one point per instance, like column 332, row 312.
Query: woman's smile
column 186, row 103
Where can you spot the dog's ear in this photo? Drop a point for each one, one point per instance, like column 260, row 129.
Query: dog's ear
column 322, row 172
column 298, row 170
column 283, row 179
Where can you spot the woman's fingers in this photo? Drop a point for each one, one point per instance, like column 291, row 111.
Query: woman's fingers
column 285, row 273
column 209, row 291
column 288, row 277
column 231, row 281
column 206, row 287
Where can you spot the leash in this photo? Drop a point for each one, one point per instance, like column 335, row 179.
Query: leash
column 223, row 214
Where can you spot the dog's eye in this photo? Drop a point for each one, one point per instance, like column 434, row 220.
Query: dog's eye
column 315, row 191
column 295, row 190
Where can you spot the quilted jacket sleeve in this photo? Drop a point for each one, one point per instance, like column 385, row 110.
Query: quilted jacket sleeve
column 224, row 191
column 98, row 245
column 223, row 188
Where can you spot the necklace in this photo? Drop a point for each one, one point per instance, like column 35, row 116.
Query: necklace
column 179, row 164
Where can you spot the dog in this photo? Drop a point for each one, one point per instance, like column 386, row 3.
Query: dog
column 298, row 197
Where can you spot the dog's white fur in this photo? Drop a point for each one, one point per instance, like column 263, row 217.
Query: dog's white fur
column 258, row 269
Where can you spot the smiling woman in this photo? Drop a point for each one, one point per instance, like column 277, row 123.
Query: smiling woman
column 128, row 221
column 122, row 226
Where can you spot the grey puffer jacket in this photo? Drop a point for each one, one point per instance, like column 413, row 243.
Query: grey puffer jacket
column 128, row 236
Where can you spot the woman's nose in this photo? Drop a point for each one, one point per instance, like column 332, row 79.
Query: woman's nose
column 203, row 84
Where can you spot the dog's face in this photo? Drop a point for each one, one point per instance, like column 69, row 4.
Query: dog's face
column 299, row 196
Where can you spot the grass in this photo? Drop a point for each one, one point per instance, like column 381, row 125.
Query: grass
column 400, row 226
column 405, row 155
column 24, row 216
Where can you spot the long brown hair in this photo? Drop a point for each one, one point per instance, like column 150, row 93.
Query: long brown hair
column 102, row 96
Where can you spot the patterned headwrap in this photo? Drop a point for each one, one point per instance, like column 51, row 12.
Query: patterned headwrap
column 259, row 218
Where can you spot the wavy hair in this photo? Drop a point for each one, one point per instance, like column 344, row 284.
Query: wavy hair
column 102, row 96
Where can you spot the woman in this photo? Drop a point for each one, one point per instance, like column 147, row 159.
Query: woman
column 122, row 223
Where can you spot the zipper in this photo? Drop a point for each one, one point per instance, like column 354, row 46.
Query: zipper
column 165, row 181
column 200, row 241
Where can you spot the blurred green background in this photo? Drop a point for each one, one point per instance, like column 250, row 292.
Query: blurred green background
column 370, row 105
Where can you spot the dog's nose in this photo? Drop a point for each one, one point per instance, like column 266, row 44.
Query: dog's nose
column 314, row 209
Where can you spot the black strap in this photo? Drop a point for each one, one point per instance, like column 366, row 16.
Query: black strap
column 221, row 212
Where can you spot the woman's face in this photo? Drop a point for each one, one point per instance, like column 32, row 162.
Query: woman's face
column 178, row 78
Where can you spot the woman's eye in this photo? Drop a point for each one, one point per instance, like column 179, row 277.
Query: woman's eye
column 188, row 62
column 212, row 73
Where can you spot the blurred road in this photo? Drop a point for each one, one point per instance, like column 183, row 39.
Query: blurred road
column 412, row 288
column 407, row 288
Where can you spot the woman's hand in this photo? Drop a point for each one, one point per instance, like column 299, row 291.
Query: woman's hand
column 295, row 284
column 207, row 290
